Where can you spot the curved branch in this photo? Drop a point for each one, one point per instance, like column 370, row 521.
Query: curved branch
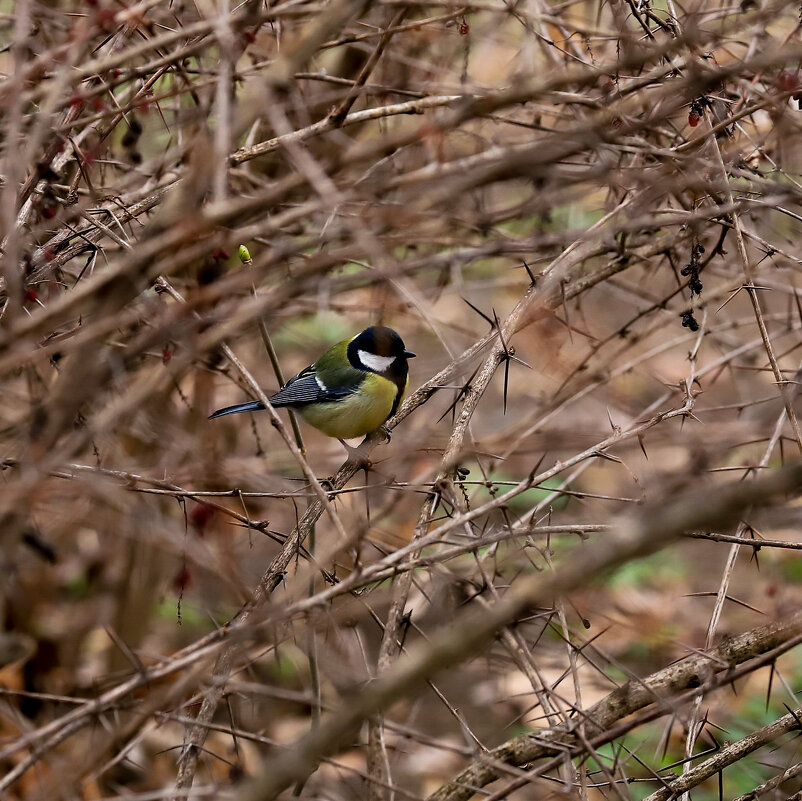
column 646, row 533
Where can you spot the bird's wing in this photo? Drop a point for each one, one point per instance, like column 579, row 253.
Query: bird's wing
column 305, row 388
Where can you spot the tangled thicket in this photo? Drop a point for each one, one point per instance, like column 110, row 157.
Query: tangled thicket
column 572, row 571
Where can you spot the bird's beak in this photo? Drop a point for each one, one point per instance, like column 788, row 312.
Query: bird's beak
column 409, row 354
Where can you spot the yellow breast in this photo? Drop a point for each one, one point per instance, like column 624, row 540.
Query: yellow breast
column 354, row 415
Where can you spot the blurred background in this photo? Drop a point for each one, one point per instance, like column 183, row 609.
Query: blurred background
column 622, row 178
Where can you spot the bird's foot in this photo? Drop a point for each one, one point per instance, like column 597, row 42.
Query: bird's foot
column 386, row 431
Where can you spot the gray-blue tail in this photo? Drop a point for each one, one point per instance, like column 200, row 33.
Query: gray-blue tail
column 250, row 406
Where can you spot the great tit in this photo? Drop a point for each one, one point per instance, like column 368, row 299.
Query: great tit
column 350, row 390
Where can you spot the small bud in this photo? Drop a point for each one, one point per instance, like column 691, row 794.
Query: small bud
column 244, row 254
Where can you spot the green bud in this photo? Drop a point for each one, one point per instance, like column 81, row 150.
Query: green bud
column 244, row 255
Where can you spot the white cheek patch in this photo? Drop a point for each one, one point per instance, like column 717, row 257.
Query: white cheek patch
column 373, row 362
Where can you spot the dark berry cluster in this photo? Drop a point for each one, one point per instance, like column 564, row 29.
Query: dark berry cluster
column 692, row 271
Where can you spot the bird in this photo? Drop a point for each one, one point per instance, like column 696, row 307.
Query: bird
column 351, row 390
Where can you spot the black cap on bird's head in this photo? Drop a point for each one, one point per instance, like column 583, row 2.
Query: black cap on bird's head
column 380, row 350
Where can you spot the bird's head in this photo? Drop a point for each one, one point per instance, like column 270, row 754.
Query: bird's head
column 380, row 350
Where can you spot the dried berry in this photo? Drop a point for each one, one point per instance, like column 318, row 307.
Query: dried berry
column 182, row 579
column 200, row 516
column 787, row 81
column 698, row 107
column 104, row 19
column 689, row 321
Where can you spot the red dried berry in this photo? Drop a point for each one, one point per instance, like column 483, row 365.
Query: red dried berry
column 464, row 29
column 786, row 81
column 31, row 295
column 221, row 255
column 200, row 516
column 167, row 354
column 104, row 19
column 693, row 118
column 182, row 579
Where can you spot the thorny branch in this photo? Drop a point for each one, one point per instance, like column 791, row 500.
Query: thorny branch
column 615, row 191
